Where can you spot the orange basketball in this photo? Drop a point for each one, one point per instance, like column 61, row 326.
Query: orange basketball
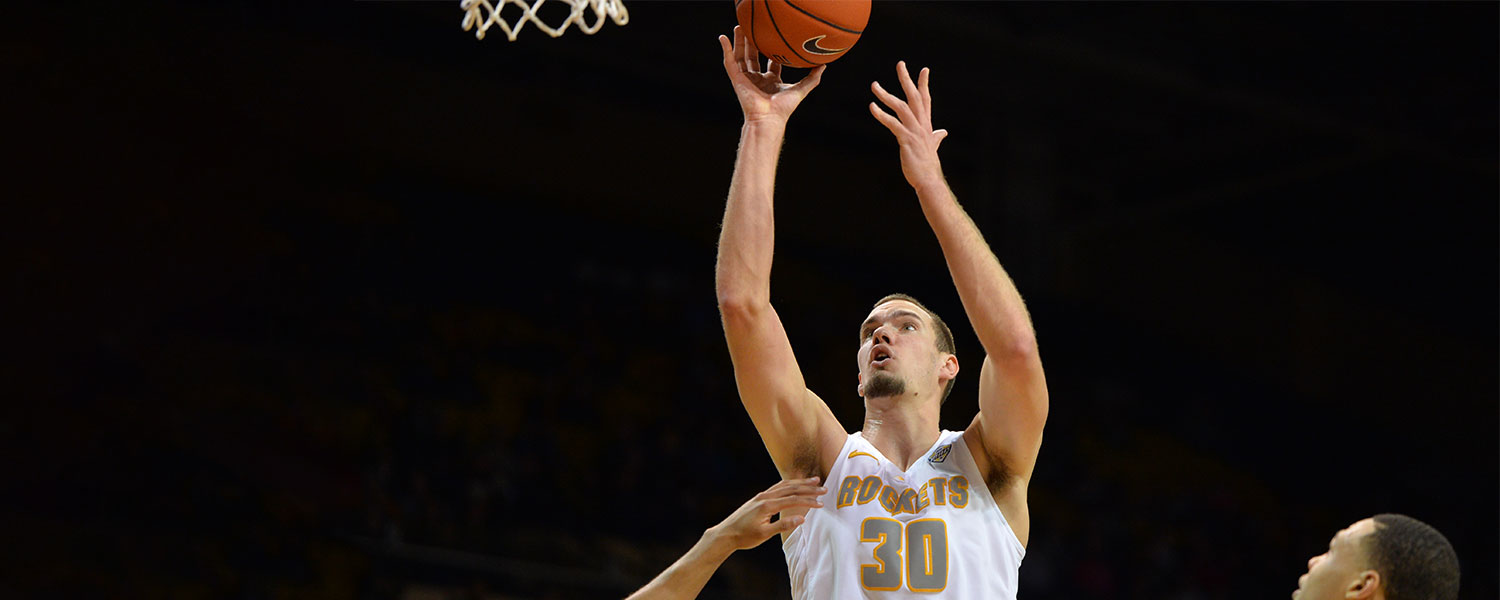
column 803, row 33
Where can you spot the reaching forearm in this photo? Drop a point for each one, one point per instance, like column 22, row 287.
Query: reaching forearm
column 686, row 577
column 989, row 296
column 743, row 272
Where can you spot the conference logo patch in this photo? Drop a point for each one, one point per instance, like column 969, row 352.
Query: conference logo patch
column 941, row 454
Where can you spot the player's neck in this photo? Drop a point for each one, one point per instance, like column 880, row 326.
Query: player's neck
column 902, row 432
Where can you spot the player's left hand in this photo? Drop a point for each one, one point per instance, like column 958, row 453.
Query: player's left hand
column 912, row 125
column 751, row 525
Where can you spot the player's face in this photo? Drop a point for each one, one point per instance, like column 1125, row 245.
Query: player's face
column 1330, row 575
column 897, row 350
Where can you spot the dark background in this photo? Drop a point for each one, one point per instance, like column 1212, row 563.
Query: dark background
column 337, row 301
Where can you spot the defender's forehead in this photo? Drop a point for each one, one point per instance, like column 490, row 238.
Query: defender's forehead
column 1352, row 534
column 1359, row 530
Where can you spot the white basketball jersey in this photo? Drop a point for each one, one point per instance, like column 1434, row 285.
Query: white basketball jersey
column 930, row 532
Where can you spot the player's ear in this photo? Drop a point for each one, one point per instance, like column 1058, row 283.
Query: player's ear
column 948, row 366
column 859, row 387
column 1364, row 586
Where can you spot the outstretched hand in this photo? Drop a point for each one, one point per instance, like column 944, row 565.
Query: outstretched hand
column 912, row 125
column 751, row 524
column 762, row 94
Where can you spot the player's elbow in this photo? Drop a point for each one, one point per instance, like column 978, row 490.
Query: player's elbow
column 734, row 305
column 1014, row 349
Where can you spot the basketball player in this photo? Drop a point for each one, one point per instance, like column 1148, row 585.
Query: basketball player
column 1384, row 557
column 746, row 528
column 911, row 510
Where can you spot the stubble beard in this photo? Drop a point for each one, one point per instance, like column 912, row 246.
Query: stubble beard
column 883, row 385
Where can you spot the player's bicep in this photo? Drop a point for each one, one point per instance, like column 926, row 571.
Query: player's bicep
column 1013, row 407
column 793, row 422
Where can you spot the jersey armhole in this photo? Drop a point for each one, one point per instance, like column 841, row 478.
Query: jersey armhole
column 984, row 488
column 793, row 540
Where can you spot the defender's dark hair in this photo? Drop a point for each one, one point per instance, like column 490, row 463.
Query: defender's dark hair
column 1415, row 560
column 944, row 335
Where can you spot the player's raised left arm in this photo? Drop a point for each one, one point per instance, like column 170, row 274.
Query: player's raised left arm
column 1012, row 390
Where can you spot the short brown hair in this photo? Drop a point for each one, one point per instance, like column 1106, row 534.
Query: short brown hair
column 944, row 335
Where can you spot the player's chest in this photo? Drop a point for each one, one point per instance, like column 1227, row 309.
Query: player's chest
column 869, row 486
column 901, row 526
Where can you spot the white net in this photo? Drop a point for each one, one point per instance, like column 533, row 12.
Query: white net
column 487, row 13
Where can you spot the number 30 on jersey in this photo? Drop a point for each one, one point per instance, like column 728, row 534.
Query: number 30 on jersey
column 919, row 550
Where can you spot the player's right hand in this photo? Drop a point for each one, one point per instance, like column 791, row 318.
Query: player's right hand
column 751, row 524
column 762, row 94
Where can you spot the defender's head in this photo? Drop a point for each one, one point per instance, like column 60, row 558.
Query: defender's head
column 905, row 349
column 1389, row 557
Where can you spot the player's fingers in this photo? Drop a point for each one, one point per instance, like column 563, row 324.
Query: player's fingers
column 799, row 489
column 741, row 48
column 776, row 490
column 776, row 70
column 779, row 504
column 922, row 80
column 787, row 524
column 806, row 85
column 889, row 121
column 752, row 57
column 799, row 486
column 942, row 134
column 779, row 488
column 788, row 483
column 902, row 109
column 772, row 491
column 728, row 52
column 907, row 87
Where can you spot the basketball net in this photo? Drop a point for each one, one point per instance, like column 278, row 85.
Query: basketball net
column 486, row 14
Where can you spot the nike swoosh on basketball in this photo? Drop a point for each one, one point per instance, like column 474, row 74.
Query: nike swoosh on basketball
column 811, row 45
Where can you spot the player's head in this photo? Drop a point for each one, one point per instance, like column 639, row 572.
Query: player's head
column 903, row 348
column 1394, row 557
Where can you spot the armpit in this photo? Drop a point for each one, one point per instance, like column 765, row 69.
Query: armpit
column 805, row 462
column 998, row 475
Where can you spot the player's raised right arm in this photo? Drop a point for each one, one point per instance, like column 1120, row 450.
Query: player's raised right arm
column 795, row 425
